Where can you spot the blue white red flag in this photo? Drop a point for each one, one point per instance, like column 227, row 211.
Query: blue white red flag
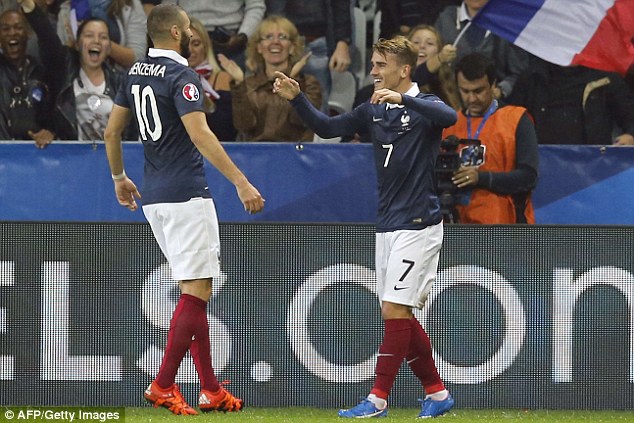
column 593, row 33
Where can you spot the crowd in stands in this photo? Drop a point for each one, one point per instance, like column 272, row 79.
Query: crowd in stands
column 62, row 62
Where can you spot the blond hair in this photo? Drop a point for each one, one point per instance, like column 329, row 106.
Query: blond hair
column 255, row 61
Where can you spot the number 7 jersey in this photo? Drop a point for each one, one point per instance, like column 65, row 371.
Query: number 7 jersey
column 158, row 90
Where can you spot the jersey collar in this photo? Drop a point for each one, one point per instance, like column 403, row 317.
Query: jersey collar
column 412, row 92
column 170, row 54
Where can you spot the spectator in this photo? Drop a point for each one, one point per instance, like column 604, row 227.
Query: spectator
column 576, row 105
column 230, row 23
column 259, row 114
column 405, row 127
column 24, row 97
column 433, row 72
column 327, row 29
column 495, row 185
column 399, row 17
column 126, row 24
column 83, row 84
column 215, row 81
column 509, row 60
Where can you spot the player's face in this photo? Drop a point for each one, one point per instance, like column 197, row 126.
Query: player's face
column 476, row 95
column 196, row 49
column 387, row 72
column 186, row 36
column 13, row 36
column 275, row 45
column 94, row 44
column 427, row 44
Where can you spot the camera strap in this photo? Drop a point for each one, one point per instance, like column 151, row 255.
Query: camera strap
column 492, row 108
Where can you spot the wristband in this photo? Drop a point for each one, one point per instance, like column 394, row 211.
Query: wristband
column 119, row 176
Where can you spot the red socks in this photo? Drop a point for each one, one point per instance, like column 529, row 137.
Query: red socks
column 188, row 328
column 396, row 341
column 420, row 360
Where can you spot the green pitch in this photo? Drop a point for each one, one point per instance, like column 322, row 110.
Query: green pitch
column 313, row 415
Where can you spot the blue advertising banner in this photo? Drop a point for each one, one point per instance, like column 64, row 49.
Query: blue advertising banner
column 301, row 183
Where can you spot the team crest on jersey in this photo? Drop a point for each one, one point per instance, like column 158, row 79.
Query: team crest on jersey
column 190, row 92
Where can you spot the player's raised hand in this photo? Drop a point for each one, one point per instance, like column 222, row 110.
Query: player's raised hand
column 285, row 87
column 250, row 197
column 126, row 192
column 386, row 96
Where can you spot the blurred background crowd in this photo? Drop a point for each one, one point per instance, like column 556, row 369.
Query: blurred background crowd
column 62, row 63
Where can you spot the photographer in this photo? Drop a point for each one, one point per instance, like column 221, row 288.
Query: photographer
column 498, row 190
column 24, row 98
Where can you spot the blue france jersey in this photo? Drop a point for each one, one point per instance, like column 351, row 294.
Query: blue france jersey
column 159, row 89
column 406, row 141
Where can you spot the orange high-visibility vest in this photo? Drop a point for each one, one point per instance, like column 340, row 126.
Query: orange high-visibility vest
column 498, row 135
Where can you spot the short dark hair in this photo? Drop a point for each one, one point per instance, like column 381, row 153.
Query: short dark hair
column 82, row 26
column 161, row 19
column 474, row 66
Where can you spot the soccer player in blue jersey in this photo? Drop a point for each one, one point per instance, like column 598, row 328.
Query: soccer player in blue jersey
column 405, row 126
column 165, row 96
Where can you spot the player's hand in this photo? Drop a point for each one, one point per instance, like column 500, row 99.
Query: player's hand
column 285, row 87
column 386, row 96
column 232, row 68
column 466, row 176
column 250, row 197
column 126, row 191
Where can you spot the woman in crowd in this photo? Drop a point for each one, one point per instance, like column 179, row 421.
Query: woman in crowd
column 83, row 83
column 258, row 113
column 126, row 23
column 216, row 82
column 433, row 72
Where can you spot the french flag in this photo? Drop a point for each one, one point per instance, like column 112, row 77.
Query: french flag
column 594, row 33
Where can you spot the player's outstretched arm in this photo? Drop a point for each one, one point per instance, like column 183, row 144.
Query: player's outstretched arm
column 209, row 146
column 124, row 188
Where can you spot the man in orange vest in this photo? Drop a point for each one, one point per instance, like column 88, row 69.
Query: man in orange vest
column 496, row 187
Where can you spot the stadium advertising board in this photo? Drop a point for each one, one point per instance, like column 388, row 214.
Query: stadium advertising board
column 535, row 317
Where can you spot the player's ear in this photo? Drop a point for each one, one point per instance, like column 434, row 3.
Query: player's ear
column 175, row 32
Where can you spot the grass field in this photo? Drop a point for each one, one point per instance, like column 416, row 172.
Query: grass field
column 313, row 415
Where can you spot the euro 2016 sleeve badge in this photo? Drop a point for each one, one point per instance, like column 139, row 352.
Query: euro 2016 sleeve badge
column 190, row 92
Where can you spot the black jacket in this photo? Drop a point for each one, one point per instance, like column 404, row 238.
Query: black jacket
column 25, row 101
column 62, row 65
column 605, row 101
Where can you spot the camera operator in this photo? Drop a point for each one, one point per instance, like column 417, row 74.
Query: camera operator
column 499, row 189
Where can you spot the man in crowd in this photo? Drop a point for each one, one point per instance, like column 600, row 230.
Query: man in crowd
column 496, row 188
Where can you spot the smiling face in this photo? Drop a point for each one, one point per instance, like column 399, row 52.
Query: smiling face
column 427, row 44
column 93, row 43
column 275, row 45
column 13, row 36
column 387, row 72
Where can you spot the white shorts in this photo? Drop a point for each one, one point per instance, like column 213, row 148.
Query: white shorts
column 406, row 264
column 188, row 236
